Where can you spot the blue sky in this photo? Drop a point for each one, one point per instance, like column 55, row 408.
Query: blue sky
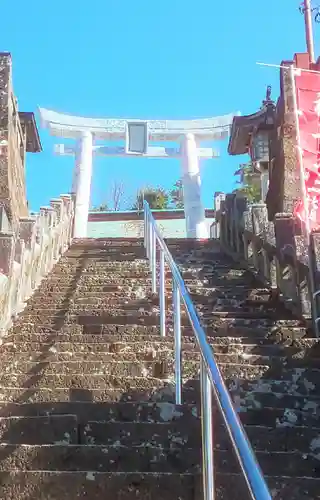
column 142, row 59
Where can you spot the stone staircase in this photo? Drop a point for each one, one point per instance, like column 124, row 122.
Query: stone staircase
column 86, row 383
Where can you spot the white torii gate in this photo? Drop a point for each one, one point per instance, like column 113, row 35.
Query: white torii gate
column 138, row 134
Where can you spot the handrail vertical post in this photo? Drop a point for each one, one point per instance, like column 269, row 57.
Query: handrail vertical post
column 154, row 262
column 162, row 298
column 207, row 434
column 148, row 237
column 151, row 231
column 177, row 340
column 146, row 230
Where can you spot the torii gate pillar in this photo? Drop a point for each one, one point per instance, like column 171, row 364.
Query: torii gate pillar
column 196, row 226
column 82, row 184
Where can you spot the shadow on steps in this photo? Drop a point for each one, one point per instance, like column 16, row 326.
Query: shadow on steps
column 35, row 376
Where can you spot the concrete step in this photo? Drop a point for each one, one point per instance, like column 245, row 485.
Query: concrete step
column 135, row 299
column 132, row 293
column 261, row 327
column 94, row 485
column 148, row 315
column 135, row 390
column 22, row 371
column 297, row 386
column 73, row 266
column 175, row 434
column 117, row 254
column 118, row 335
column 114, row 293
column 21, row 402
column 148, row 459
column 83, row 381
column 14, row 358
column 98, row 276
column 157, row 369
column 108, row 289
column 64, row 429
column 139, row 410
column 179, row 243
column 95, row 306
column 91, row 306
column 100, row 284
column 23, row 329
column 53, row 429
column 112, row 317
column 132, row 317
column 68, row 275
column 153, row 344
column 86, row 410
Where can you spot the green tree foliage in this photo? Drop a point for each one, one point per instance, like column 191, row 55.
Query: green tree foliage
column 250, row 186
column 176, row 195
column 100, row 208
column 157, row 198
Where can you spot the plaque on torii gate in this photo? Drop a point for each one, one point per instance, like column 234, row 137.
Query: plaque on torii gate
column 138, row 136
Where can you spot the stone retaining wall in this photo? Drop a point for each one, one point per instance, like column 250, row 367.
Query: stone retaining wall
column 29, row 251
column 275, row 251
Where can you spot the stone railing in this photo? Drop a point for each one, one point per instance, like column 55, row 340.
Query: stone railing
column 28, row 254
column 275, row 251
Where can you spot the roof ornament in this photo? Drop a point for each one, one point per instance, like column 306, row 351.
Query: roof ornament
column 268, row 101
column 268, row 93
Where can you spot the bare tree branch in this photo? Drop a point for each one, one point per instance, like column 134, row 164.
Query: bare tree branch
column 117, row 192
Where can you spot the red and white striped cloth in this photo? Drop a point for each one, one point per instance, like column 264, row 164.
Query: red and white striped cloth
column 308, row 104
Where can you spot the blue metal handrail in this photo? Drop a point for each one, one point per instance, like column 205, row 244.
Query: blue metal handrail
column 210, row 375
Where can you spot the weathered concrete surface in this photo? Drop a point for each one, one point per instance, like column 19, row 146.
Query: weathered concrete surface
column 95, row 485
column 86, row 355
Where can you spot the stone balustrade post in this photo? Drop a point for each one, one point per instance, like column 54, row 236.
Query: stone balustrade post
column 7, row 247
column 286, row 258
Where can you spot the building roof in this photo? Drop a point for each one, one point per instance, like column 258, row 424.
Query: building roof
column 244, row 126
column 28, row 122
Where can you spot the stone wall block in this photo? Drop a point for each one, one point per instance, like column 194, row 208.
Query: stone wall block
column 285, row 234
column 19, row 250
column 67, row 203
column 229, row 202
column 315, row 237
column 5, row 225
column 26, row 230
column 241, row 206
column 46, row 216
column 302, row 251
column 223, row 228
column 7, row 247
column 57, row 205
column 259, row 219
column 247, row 220
column 270, row 234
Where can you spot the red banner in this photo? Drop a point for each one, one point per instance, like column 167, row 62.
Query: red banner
column 308, row 108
